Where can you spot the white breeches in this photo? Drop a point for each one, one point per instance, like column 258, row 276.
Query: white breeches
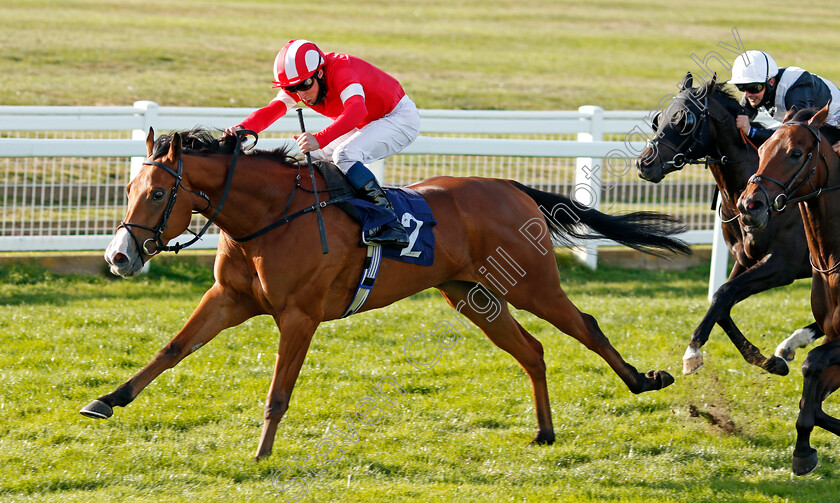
column 381, row 138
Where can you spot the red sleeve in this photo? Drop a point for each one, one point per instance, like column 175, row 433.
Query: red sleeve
column 355, row 112
column 265, row 116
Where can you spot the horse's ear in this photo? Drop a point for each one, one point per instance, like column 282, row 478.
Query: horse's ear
column 687, row 81
column 708, row 88
column 818, row 120
column 174, row 147
column 150, row 143
column 789, row 115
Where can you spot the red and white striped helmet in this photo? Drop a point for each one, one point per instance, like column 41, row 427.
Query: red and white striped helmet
column 297, row 61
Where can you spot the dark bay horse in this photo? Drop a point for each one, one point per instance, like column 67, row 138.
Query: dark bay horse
column 699, row 123
column 798, row 165
column 283, row 274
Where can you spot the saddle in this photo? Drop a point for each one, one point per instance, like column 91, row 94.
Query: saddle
column 338, row 187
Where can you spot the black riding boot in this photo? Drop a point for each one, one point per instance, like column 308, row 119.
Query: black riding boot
column 367, row 188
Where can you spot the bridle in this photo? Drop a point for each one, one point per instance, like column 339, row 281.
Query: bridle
column 177, row 173
column 685, row 156
column 782, row 200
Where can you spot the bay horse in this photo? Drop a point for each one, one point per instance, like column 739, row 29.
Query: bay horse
column 698, row 127
column 282, row 274
column 797, row 165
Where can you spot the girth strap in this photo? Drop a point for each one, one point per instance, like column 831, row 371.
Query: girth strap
column 369, row 274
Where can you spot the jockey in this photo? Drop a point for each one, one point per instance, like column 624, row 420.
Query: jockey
column 778, row 90
column 372, row 117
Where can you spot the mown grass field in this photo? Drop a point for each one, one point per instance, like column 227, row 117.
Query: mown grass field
column 460, row 432
column 472, row 54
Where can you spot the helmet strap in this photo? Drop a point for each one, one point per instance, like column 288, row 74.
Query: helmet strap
column 322, row 87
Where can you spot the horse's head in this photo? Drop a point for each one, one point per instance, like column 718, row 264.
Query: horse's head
column 682, row 131
column 788, row 167
column 155, row 213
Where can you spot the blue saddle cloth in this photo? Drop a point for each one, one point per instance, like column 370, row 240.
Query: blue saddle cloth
column 414, row 214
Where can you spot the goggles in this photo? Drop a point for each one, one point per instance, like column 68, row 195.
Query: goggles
column 753, row 88
column 302, row 86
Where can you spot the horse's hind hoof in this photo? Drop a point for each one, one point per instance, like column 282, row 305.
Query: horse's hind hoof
column 97, row 409
column 543, row 438
column 776, row 365
column 692, row 361
column 804, row 466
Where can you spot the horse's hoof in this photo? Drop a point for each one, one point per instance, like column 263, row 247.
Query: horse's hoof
column 785, row 354
column 666, row 378
column 776, row 365
column 804, row 466
column 97, row 409
column 543, row 438
column 692, row 365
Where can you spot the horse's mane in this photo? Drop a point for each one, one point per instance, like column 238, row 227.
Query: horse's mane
column 203, row 141
column 832, row 133
column 725, row 95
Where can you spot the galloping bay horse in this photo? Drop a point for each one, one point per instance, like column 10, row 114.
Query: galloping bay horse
column 281, row 273
column 798, row 165
column 698, row 126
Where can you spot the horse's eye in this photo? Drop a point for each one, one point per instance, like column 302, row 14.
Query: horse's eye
column 796, row 154
column 689, row 122
column 157, row 194
column 654, row 123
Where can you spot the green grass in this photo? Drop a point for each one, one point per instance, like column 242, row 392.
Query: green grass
column 460, row 431
column 471, row 54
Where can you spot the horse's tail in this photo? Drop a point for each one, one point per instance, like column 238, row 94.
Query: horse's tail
column 645, row 231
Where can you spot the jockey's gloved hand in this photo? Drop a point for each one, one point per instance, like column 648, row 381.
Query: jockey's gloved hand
column 231, row 131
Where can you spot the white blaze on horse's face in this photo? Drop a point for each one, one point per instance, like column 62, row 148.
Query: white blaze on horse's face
column 122, row 255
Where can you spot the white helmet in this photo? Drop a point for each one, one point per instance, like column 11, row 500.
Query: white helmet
column 753, row 67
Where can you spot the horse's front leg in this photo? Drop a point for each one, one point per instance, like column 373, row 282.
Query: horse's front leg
column 296, row 330
column 218, row 309
column 771, row 272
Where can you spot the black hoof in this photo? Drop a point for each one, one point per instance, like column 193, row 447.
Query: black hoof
column 97, row 409
column 804, row 466
column 776, row 365
column 666, row 379
column 543, row 438
column 656, row 379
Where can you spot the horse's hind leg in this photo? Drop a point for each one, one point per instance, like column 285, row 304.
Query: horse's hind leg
column 555, row 307
column 821, row 378
column 801, row 338
column 504, row 331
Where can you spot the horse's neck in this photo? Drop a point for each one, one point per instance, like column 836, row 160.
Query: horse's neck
column 741, row 160
column 256, row 193
column 820, row 217
column 731, row 177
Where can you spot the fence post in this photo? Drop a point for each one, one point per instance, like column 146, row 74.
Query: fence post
column 720, row 256
column 587, row 190
column 149, row 110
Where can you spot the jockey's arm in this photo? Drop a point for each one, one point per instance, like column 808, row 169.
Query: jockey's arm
column 354, row 113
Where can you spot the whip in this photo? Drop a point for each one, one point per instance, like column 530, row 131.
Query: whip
column 324, row 248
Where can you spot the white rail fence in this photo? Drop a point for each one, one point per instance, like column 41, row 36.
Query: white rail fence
column 63, row 169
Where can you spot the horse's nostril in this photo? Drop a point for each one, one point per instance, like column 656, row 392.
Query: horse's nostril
column 120, row 258
column 754, row 205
